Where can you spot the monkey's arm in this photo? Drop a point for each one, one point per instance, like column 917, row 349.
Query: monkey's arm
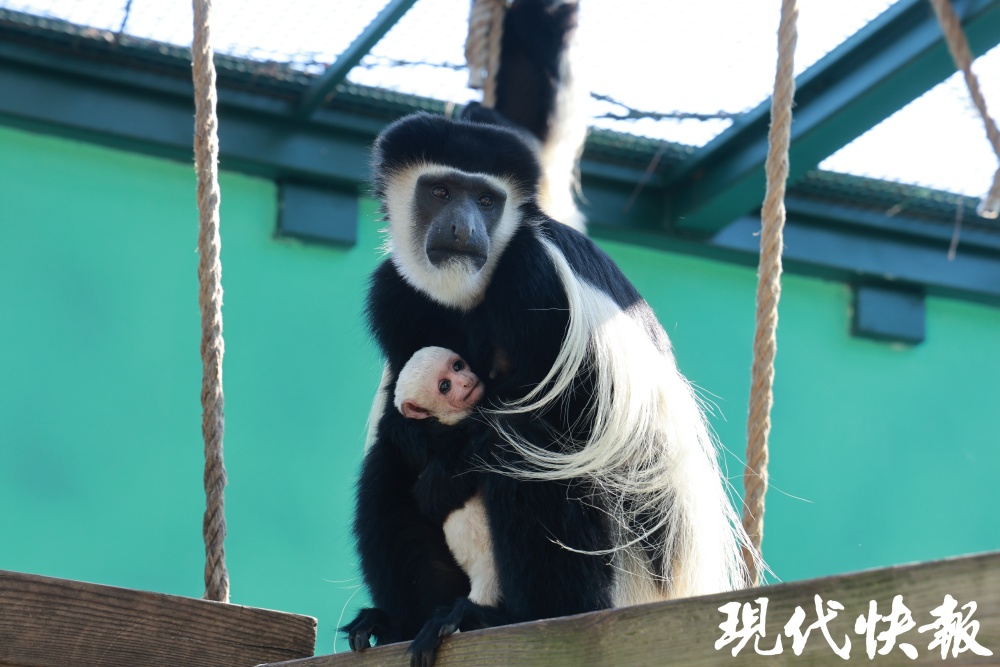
column 549, row 523
column 405, row 561
column 534, row 525
column 538, row 530
column 450, row 476
column 561, row 524
column 522, row 339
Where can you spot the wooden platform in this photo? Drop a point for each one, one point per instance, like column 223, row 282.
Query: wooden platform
column 47, row 622
column 684, row 633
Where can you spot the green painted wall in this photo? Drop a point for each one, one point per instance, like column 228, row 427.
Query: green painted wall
column 880, row 454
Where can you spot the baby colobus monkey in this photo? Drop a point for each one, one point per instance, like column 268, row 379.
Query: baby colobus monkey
column 437, row 383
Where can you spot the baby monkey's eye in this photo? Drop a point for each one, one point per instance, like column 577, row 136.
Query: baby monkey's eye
column 458, row 365
column 440, row 192
column 444, row 386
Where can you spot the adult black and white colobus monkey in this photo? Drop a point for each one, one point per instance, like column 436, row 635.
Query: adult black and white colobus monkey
column 596, row 473
column 596, row 470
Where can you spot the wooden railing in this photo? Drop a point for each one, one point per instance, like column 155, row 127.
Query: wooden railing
column 687, row 633
column 48, row 622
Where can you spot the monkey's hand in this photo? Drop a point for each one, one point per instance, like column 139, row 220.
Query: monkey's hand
column 465, row 615
column 369, row 623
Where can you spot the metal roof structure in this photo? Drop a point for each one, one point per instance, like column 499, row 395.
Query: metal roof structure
column 310, row 130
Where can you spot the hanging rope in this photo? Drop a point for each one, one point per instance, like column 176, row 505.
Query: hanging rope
column 769, row 286
column 206, row 153
column 958, row 45
column 482, row 46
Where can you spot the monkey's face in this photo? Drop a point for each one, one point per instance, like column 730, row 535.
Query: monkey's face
column 457, row 214
column 440, row 384
column 448, row 229
column 456, row 389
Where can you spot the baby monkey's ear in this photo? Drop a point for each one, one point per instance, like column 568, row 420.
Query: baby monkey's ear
column 411, row 410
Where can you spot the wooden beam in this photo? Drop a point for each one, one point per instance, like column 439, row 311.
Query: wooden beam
column 684, row 633
column 47, row 622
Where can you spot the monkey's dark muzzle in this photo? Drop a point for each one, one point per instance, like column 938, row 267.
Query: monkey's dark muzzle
column 458, row 235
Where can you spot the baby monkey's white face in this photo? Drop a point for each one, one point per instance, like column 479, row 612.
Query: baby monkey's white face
column 448, row 392
column 457, row 388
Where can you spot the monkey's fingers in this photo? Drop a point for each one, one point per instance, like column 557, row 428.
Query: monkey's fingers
column 425, row 658
column 360, row 640
column 369, row 622
column 447, row 629
column 423, row 650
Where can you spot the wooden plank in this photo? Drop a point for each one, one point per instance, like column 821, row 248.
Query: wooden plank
column 685, row 632
column 47, row 622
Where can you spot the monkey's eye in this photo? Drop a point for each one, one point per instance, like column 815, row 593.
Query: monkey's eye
column 458, row 365
column 440, row 192
column 445, row 386
column 486, row 201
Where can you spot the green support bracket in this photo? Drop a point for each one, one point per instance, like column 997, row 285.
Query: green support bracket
column 318, row 214
column 888, row 313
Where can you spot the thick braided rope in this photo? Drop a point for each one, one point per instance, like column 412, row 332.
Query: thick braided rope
column 769, row 286
column 958, row 45
column 482, row 46
column 206, row 151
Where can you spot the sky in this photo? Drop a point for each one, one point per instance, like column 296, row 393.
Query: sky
column 702, row 57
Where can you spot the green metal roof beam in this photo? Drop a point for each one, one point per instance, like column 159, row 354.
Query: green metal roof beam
column 109, row 101
column 886, row 65
column 352, row 55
